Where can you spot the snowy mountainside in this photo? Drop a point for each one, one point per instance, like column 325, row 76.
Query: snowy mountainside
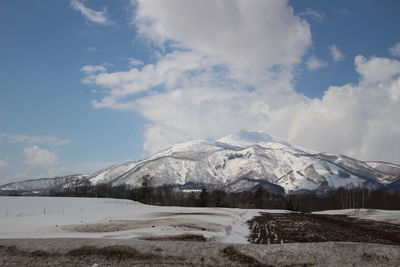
column 41, row 184
column 245, row 160
column 385, row 167
column 236, row 161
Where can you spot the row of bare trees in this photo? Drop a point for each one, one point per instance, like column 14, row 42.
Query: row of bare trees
column 168, row 195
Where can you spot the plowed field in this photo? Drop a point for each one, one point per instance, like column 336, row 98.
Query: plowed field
column 269, row 228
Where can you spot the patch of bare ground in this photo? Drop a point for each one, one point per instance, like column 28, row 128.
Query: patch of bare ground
column 126, row 225
column 269, row 228
column 84, row 256
column 117, row 252
column 114, row 253
column 168, row 214
column 200, row 226
column 183, row 237
column 235, row 255
column 115, row 226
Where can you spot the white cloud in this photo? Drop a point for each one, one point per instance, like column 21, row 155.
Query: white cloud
column 377, row 69
column 171, row 70
column 3, row 163
column 313, row 14
column 214, row 87
column 358, row 120
column 98, row 17
column 134, row 62
column 31, row 139
column 395, row 50
column 245, row 34
column 336, row 54
column 314, row 63
column 198, row 103
column 34, row 155
column 89, row 69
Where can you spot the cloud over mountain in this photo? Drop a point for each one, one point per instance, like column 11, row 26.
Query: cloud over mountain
column 226, row 66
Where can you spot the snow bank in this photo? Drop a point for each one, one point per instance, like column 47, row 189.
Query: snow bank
column 53, row 217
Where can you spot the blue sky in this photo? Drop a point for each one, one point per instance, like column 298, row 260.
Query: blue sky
column 165, row 72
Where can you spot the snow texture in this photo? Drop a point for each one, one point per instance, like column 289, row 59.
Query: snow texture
column 46, row 217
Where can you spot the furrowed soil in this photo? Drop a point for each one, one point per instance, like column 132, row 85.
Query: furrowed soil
column 271, row 228
column 117, row 252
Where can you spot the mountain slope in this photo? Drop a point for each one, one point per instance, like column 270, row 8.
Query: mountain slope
column 42, row 184
column 248, row 155
column 247, row 159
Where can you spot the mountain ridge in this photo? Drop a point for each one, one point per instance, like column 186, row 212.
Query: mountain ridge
column 236, row 162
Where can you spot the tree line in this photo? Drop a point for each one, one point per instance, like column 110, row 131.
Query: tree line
column 259, row 198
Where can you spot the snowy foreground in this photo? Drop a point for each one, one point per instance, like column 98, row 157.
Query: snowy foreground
column 111, row 232
column 53, row 217
column 57, row 217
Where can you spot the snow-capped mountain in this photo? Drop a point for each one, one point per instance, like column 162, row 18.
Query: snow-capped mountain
column 246, row 159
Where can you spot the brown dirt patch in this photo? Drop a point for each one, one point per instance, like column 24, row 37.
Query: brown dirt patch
column 184, row 237
column 168, row 214
column 108, row 252
column 115, row 226
column 187, row 224
column 269, row 228
column 84, row 256
column 120, row 252
column 234, row 255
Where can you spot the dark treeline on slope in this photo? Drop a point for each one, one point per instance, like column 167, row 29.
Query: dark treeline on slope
column 168, row 195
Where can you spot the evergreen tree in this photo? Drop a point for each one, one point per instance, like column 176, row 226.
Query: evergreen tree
column 146, row 190
column 204, row 198
column 258, row 200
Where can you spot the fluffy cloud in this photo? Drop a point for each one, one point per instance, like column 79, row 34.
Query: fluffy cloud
column 172, row 70
column 134, row 62
column 98, row 17
column 395, row 50
column 377, row 69
column 246, row 34
column 38, row 155
column 314, row 63
column 31, row 139
column 34, row 155
column 336, row 54
column 89, row 69
column 214, row 87
column 358, row 120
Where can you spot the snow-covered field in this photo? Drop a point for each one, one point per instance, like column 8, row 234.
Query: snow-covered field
column 54, row 217
column 389, row 216
column 105, row 232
